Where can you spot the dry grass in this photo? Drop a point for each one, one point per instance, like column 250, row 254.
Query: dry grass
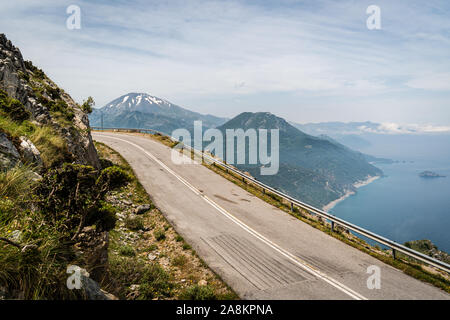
column 15, row 183
column 52, row 147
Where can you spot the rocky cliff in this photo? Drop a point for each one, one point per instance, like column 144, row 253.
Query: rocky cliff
column 46, row 103
column 52, row 188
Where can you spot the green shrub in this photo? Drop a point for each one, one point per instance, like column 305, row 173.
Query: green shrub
column 159, row 235
column 73, row 196
column 54, row 93
column 53, row 148
column 24, row 75
column 15, row 183
column 38, row 273
column 59, row 106
column 179, row 260
column 13, row 108
column 104, row 217
column 38, row 73
column 134, row 223
column 87, row 105
column 7, row 211
column 127, row 251
column 114, row 176
column 178, row 238
column 15, row 129
column 154, row 282
column 186, row 246
column 105, row 163
column 197, row 292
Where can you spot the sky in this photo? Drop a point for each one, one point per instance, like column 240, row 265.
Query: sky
column 306, row 61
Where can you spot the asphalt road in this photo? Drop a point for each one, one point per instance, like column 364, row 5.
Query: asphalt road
column 259, row 250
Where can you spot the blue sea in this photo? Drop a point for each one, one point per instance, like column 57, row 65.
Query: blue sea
column 403, row 206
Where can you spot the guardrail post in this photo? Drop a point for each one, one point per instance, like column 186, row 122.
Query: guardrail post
column 332, row 226
column 243, row 180
column 264, row 191
column 394, row 253
column 292, row 207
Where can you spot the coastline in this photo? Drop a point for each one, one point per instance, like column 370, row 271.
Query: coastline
column 357, row 185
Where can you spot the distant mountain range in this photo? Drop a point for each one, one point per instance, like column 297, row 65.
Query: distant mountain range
column 382, row 138
column 141, row 110
column 340, row 128
column 351, row 134
column 316, row 170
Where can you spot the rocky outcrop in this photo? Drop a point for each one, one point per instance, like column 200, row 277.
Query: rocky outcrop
column 93, row 245
column 9, row 156
column 93, row 291
column 28, row 84
column 30, row 154
column 429, row 248
column 143, row 208
column 12, row 66
column 36, row 110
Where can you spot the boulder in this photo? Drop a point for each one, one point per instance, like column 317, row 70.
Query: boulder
column 143, row 208
column 30, row 154
column 202, row 283
column 93, row 244
column 9, row 156
column 92, row 289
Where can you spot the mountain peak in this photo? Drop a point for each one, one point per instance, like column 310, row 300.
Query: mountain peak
column 135, row 101
column 142, row 110
column 259, row 120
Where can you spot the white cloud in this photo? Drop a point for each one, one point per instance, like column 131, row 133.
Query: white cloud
column 396, row 128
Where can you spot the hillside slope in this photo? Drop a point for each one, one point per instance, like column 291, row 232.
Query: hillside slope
column 52, row 188
column 312, row 169
column 46, row 103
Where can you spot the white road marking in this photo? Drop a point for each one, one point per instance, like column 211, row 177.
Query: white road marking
column 304, row 265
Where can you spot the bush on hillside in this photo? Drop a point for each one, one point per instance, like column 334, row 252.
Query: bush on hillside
column 88, row 104
column 73, row 196
column 13, row 108
column 197, row 292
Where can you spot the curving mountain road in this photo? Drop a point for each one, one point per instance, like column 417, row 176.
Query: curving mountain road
column 260, row 251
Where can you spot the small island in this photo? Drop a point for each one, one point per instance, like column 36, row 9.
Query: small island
column 430, row 174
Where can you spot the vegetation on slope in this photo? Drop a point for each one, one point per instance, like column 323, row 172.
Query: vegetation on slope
column 429, row 248
column 40, row 221
column 42, row 216
column 310, row 168
column 15, row 123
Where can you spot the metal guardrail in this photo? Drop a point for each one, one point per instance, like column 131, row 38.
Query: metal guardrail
column 294, row 202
